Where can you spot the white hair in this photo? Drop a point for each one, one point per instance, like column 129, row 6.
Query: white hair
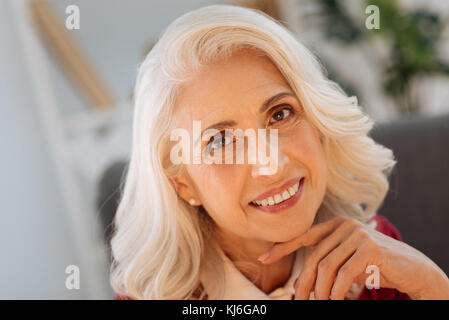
column 161, row 244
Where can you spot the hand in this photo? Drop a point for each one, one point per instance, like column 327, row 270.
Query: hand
column 342, row 250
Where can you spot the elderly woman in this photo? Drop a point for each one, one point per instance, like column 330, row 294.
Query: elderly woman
column 302, row 224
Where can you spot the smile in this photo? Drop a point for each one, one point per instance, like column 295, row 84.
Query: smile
column 281, row 200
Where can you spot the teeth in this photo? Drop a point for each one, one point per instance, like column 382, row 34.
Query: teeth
column 278, row 198
column 284, row 195
column 291, row 191
column 296, row 186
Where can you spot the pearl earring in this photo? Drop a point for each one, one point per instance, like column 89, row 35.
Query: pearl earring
column 192, row 201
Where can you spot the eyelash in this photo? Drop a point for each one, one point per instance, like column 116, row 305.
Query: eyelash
column 283, row 107
column 214, row 140
column 276, row 108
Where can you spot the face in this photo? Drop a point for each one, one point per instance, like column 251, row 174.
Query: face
column 233, row 91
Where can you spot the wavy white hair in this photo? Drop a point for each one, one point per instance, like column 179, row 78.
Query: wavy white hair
column 161, row 244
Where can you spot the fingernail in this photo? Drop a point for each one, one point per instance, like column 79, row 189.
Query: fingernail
column 263, row 257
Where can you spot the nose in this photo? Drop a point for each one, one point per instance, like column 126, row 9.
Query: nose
column 269, row 166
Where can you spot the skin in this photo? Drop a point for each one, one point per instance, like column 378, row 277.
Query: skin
column 342, row 248
column 235, row 89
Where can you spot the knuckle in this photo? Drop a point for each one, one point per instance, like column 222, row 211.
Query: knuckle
column 310, row 255
column 343, row 219
column 352, row 223
column 348, row 225
column 360, row 234
column 309, row 268
column 373, row 247
column 343, row 273
column 324, row 267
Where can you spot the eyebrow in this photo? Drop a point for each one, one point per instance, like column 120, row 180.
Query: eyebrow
column 265, row 105
column 273, row 99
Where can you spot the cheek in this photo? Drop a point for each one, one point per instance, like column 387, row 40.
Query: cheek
column 219, row 193
column 309, row 151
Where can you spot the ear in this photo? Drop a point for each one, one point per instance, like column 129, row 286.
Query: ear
column 184, row 189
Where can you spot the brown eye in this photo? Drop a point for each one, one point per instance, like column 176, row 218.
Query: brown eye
column 280, row 115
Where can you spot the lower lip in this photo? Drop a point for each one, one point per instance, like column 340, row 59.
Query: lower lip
column 290, row 202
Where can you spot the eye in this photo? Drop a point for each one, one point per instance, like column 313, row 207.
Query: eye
column 280, row 115
column 219, row 140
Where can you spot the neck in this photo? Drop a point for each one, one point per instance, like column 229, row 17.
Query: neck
column 244, row 255
column 276, row 275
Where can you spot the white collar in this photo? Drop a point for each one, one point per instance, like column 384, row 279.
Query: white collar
column 238, row 287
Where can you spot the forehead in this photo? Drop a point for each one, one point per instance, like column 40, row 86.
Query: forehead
column 229, row 88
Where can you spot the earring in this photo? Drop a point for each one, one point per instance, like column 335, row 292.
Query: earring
column 192, row 201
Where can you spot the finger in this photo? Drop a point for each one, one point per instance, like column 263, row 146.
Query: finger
column 329, row 266
column 346, row 275
column 299, row 295
column 312, row 236
column 309, row 272
column 304, row 283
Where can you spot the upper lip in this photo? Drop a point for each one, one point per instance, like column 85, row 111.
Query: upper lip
column 277, row 190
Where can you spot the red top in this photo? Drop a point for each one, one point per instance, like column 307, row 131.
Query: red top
column 384, row 226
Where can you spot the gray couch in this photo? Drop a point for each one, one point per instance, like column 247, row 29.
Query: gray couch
column 418, row 200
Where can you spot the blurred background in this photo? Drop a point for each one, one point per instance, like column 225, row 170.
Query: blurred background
column 66, row 109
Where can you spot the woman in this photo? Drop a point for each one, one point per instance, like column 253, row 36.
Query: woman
column 302, row 224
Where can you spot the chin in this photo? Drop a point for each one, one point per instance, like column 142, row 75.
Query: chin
column 295, row 232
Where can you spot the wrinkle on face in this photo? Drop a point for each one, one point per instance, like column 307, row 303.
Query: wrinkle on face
column 235, row 90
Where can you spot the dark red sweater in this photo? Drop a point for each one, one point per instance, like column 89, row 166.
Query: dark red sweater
column 384, row 226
